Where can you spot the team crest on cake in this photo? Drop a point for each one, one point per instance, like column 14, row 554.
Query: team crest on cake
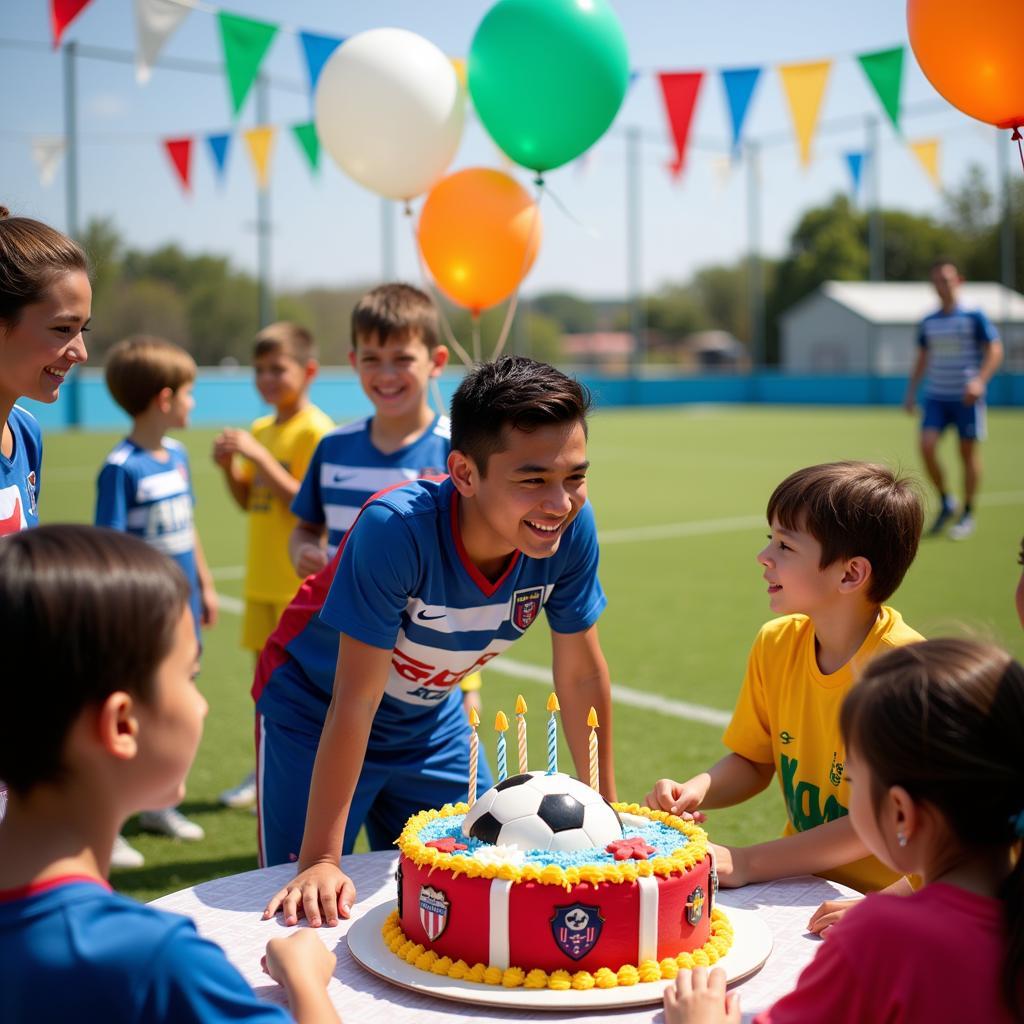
column 695, row 906
column 434, row 907
column 526, row 607
column 576, row 929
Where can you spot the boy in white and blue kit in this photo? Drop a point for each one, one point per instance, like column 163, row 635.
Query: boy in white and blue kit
column 960, row 352
column 145, row 489
column 434, row 579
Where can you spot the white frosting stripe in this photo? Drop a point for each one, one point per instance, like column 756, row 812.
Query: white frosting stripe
column 499, row 954
column 648, row 939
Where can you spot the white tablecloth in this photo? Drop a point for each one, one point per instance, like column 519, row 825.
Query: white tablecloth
column 227, row 910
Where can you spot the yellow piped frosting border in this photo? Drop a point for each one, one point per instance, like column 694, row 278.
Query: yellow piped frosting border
column 418, row 956
column 683, row 859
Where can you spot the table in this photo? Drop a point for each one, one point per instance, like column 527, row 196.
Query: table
column 227, row 910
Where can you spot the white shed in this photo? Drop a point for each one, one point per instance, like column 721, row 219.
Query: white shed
column 871, row 326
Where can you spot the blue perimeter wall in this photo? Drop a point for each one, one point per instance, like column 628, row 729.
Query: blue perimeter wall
column 228, row 397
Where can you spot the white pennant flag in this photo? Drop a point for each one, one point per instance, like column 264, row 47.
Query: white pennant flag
column 47, row 151
column 155, row 23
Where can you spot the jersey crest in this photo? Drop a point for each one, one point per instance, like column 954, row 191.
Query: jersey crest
column 526, row 605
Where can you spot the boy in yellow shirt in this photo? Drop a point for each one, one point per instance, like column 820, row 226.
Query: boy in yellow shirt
column 842, row 537
column 263, row 468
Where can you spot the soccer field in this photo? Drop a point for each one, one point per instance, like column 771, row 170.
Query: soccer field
column 679, row 495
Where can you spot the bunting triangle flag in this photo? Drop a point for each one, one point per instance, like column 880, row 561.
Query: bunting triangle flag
column 180, row 152
column 316, row 49
column 245, row 44
column 927, row 153
column 62, row 13
column 459, row 63
column 739, row 88
column 804, row 85
column 679, row 90
column 155, row 22
column 884, row 69
column 855, row 165
column 309, row 143
column 219, row 145
column 261, row 144
column 47, row 152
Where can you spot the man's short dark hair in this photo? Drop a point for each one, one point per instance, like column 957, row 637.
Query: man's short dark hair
column 855, row 509
column 516, row 393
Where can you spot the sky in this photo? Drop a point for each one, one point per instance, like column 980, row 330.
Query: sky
column 327, row 230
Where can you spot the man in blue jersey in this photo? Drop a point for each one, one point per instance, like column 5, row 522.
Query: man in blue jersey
column 435, row 579
column 959, row 351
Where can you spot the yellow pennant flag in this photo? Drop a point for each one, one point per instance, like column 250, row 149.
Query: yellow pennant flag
column 260, row 142
column 927, row 152
column 459, row 63
column 805, row 86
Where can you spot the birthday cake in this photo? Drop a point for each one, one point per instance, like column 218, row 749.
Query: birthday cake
column 544, row 884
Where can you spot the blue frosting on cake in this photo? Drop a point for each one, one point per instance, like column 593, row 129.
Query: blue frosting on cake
column 665, row 841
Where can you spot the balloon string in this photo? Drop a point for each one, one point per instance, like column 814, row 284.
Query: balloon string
column 593, row 232
column 446, row 327
column 510, row 313
column 476, row 337
column 1016, row 137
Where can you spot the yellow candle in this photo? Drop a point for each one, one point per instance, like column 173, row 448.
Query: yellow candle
column 593, row 723
column 521, row 734
column 474, row 754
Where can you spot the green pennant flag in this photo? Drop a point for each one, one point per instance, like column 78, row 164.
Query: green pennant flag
column 245, row 45
column 884, row 69
column 309, row 143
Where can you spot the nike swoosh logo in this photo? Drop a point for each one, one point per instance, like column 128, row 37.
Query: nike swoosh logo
column 424, row 617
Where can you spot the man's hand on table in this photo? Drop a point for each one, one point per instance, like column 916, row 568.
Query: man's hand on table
column 322, row 893
column 699, row 997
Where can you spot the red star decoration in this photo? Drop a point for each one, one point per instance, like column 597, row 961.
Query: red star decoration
column 447, row 844
column 630, row 849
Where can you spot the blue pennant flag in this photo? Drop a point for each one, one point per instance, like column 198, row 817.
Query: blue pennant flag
column 739, row 88
column 855, row 162
column 316, row 49
column 219, row 148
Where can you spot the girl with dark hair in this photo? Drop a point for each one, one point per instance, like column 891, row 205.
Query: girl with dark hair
column 45, row 304
column 933, row 733
column 100, row 623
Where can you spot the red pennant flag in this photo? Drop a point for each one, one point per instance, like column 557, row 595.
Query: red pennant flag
column 62, row 13
column 180, row 152
column 679, row 90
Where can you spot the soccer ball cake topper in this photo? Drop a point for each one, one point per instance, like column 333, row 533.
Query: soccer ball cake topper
column 543, row 811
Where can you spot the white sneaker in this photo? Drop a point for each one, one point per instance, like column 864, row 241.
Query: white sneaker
column 124, row 855
column 962, row 529
column 171, row 822
column 242, row 795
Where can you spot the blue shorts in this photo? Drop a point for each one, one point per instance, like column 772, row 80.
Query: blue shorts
column 969, row 420
column 393, row 785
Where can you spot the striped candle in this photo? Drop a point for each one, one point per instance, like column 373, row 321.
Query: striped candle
column 521, row 734
column 501, row 724
column 474, row 754
column 552, row 735
column 592, row 722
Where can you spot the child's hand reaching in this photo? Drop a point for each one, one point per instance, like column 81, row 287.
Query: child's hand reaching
column 682, row 798
column 302, row 965
column 697, row 997
column 829, row 914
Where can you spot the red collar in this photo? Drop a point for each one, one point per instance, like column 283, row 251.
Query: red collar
column 21, row 892
column 488, row 588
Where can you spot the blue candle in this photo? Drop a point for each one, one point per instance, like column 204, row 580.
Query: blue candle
column 501, row 724
column 552, row 735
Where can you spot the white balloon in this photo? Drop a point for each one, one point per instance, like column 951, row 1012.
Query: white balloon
column 389, row 110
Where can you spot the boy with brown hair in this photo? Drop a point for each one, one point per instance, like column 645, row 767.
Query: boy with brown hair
column 263, row 467
column 842, row 537
column 145, row 489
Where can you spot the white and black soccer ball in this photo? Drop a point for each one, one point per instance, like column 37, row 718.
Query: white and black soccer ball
column 538, row 811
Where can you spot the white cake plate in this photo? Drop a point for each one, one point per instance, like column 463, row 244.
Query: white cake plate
column 752, row 944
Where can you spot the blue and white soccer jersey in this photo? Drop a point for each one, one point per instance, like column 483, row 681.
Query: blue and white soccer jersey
column 72, row 950
column 403, row 582
column 20, row 474
column 141, row 495
column 955, row 343
column 347, row 470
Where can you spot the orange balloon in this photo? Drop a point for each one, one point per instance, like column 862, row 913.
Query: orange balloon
column 971, row 53
column 479, row 233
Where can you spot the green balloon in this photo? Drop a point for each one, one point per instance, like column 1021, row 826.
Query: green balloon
column 547, row 77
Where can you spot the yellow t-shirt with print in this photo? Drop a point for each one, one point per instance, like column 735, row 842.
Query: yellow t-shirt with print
column 787, row 714
column 269, row 575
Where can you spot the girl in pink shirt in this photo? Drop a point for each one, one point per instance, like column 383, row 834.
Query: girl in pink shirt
column 933, row 738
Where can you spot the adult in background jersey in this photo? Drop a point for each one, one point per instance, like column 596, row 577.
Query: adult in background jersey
column 45, row 304
column 959, row 351
column 434, row 580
